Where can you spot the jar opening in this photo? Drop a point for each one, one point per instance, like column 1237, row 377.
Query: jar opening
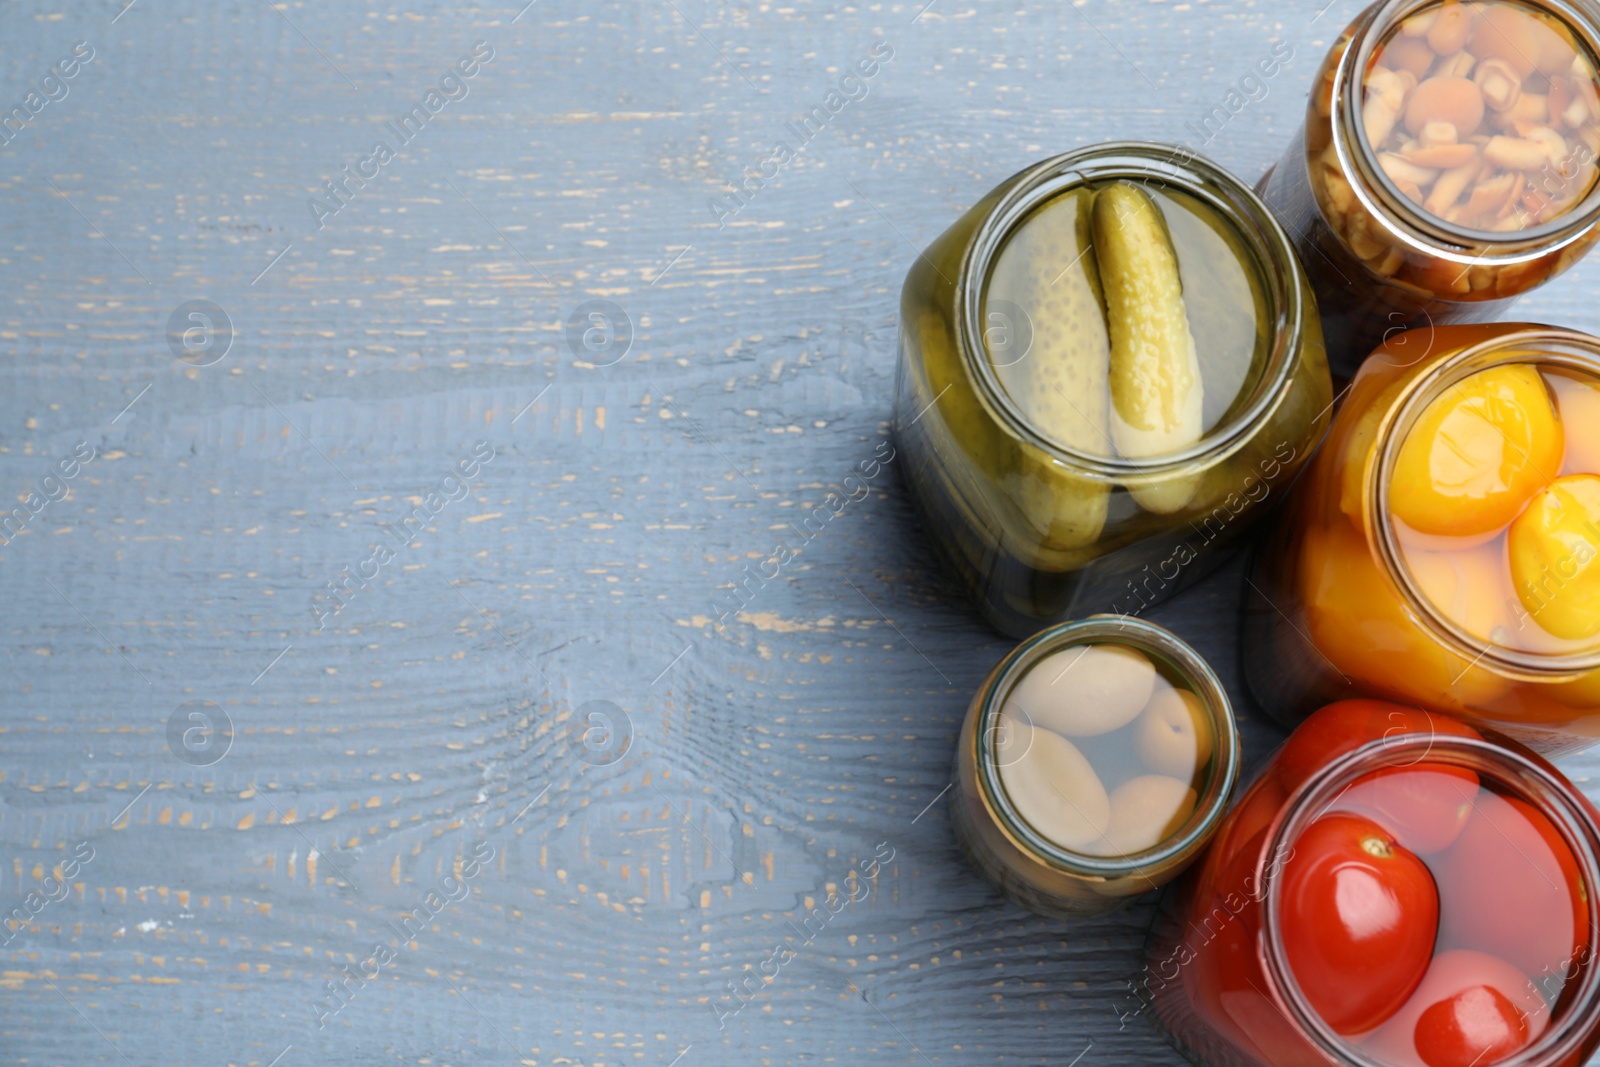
column 1504, row 770
column 1007, row 349
column 997, row 742
column 1509, row 637
column 1390, row 187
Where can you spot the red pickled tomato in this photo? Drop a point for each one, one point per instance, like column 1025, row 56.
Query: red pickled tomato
column 1425, row 812
column 1478, row 1026
column 1360, row 915
column 1451, row 973
column 1241, row 832
column 1224, row 922
column 1346, row 725
column 1510, row 886
column 1224, row 979
column 1221, row 922
column 1425, row 806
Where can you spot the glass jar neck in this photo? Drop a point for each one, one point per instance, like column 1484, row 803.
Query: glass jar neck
column 1158, row 643
column 1406, row 220
column 1528, row 779
column 1170, row 166
column 1541, row 345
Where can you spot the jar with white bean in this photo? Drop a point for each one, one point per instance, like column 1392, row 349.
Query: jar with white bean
column 1094, row 764
column 1448, row 164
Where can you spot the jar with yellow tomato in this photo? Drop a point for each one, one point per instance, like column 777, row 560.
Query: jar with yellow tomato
column 1444, row 547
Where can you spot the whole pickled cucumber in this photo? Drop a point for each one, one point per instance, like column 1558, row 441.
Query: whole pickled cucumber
column 1156, row 390
column 1047, row 271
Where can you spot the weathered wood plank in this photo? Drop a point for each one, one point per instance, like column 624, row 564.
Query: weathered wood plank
column 371, row 755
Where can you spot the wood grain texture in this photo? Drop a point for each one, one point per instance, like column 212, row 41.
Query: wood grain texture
column 372, row 755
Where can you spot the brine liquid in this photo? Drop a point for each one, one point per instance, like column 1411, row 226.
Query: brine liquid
column 1103, row 755
column 1045, row 326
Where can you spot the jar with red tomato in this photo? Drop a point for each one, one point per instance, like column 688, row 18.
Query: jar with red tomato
column 1443, row 548
column 1395, row 888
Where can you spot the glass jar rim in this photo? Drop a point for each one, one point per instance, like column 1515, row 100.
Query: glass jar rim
column 1536, row 345
column 1178, row 167
column 1555, row 800
column 1382, row 198
column 1151, row 639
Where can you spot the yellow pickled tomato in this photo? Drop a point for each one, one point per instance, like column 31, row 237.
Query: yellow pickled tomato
column 1468, row 586
column 1579, row 401
column 1554, row 546
column 1477, row 454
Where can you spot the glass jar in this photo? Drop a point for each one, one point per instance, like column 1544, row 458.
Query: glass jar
column 1380, row 260
column 1342, row 602
column 1220, row 974
column 1038, row 528
column 1031, row 868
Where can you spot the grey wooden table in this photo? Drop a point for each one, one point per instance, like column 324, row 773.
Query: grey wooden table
column 294, row 675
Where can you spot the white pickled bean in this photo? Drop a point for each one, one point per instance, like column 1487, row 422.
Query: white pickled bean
column 1086, row 690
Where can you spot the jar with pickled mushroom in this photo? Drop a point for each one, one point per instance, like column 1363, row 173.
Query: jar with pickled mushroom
column 1094, row 764
column 1443, row 548
column 1107, row 367
column 1447, row 164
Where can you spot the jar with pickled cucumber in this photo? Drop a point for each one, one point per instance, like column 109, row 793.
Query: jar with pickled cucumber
column 1109, row 368
column 1448, row 164
column 1444, row 547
